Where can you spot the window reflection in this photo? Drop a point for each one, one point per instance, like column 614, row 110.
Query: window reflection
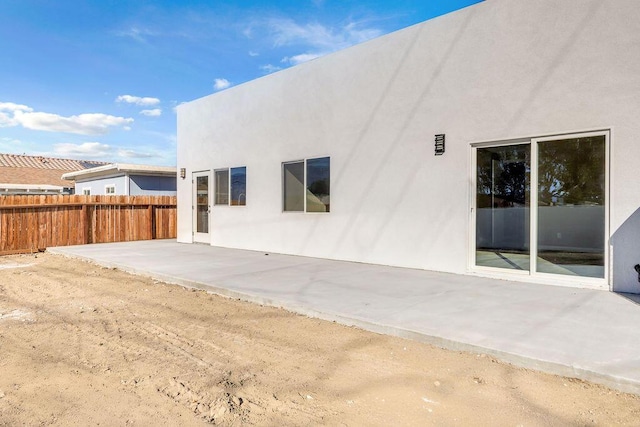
column 238, row 186
column 571, row 206
column 202, row 201
column 293, row 186
column 318, row 185
column 222, row 187
column 502, row 206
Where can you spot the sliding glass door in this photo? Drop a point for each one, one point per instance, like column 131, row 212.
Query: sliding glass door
column 503, row 206
column 571, row 206
column 541, row 206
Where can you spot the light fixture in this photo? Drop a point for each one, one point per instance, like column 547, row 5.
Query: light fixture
column 440, row 144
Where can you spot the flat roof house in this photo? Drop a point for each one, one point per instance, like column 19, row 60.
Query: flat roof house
column 123, row 179
column 500, row 140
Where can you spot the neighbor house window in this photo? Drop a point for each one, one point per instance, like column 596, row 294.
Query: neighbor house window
column 86, row 191
column 231, row 186
column 110, row 189
column 306, row 185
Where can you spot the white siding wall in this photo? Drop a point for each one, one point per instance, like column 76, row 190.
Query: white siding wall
column 97, row 186
column 499, row 70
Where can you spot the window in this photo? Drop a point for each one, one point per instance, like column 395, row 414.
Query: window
column 222, row 187
column 86, row 191
column 306, row 185
column 293, row 187
column 110, row 189
column 231, row 182
column 541, row 205
column 238, row 186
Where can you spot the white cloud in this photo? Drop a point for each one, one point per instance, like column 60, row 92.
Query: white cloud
column 137, row 100
column 98, row 151
column 248, row 32
column 219, row 84
column 314, row 39
column 6, row 120
column 270, row 68
column 152, row 113
column 10, row 106
column 299, row 59
column 138, row 34
column 252, row 53
column 83, row 124
column 131, row 154
column 317, row 36
column 86, row 150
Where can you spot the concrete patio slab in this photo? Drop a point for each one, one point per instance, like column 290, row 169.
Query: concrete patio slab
column 588, row 334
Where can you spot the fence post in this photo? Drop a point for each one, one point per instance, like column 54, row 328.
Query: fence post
column 87, row 220
column 154, row 225
column 152, row 220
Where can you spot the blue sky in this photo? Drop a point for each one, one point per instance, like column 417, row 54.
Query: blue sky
column 99, row 79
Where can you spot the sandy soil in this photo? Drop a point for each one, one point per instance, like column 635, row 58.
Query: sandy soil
column 85, row 345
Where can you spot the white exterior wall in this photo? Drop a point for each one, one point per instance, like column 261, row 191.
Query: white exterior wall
column 130, row 185
column 499, row 70
column 97, row 186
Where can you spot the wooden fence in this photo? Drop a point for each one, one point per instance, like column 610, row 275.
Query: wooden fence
column 33, row 223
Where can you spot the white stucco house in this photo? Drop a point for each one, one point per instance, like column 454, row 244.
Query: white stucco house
column 500, row 140
column 123, row 179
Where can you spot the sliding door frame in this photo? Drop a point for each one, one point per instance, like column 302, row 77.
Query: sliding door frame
column 532, row 275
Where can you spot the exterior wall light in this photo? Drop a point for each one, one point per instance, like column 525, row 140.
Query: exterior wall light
column 183, row 173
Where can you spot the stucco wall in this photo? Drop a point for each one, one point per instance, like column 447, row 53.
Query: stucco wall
column 499, row 70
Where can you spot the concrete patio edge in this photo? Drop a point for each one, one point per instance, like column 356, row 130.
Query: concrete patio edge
column 524, row 361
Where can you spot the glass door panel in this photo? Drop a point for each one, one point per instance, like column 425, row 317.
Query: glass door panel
column 202, row 197
column 502, row 206
column 571, row 206
column 201, row 207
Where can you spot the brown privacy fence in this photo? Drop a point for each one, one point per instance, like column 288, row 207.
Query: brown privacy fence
column 32, row 223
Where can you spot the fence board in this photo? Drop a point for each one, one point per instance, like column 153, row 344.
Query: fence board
column 31, row 223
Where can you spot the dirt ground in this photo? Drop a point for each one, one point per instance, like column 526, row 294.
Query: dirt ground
column 85, row 345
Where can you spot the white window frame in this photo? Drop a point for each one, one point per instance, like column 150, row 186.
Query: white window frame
column 215, row 187
column 229, row 198
column 532, row 275
column 109, row 187
column 304, row 185
column 86, row 191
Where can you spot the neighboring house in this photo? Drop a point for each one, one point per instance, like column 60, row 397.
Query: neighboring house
column 125, row 179
column 21, row 174
column 501, row 140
